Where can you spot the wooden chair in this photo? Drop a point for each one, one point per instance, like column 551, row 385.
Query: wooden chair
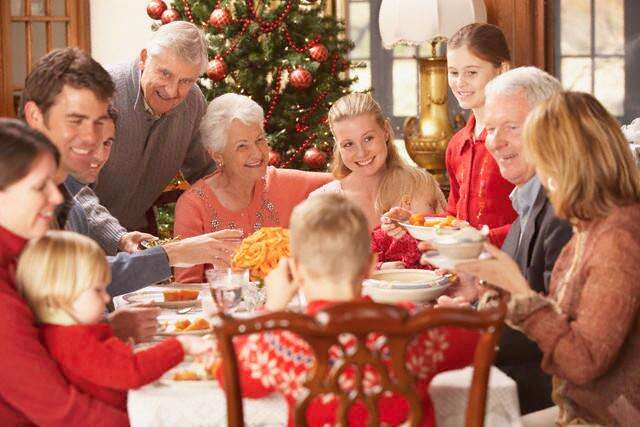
column 360, row 319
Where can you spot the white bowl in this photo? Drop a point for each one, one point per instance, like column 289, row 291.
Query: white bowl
column 451, row 247
column 392, row 286
column 421, row 232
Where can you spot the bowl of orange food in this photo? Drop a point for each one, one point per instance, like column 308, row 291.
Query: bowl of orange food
column 261, row 252
column 425, row 227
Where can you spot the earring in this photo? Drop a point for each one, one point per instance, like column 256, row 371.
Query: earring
column 551, row 185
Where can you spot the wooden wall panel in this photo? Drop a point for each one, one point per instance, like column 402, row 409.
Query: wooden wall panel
column 528, row 27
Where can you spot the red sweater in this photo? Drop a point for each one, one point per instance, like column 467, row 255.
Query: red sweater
column 404, row 249
column 279, row 362
column 32, row 388
column 101, row 365
column 479, row 194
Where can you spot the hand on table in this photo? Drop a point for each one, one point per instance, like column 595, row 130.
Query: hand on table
column 500, row 271
column 135, row 322
column 389, row 222
column 130, row 242
column 280, row 287
column 211, row 248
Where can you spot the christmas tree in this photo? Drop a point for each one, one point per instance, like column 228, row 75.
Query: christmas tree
column 286, row 55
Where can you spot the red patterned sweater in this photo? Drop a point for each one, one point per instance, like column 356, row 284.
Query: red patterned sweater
column 100, row 364
column 479, row 194
column 279, row 361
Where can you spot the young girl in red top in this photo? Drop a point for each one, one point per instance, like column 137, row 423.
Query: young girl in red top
column 330, row 247
column 478, row 193
column 64, row 276
column 415, row 190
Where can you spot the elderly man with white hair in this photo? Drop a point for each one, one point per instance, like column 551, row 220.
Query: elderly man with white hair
column 159, row 107
column 537, row 236
column 244, row 192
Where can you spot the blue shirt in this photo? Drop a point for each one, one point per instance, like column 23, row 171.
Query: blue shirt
column 523, row 197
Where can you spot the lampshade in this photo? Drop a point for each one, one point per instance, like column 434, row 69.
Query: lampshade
column 418, row 21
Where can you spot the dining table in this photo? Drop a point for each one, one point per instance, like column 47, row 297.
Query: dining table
column 168, row 402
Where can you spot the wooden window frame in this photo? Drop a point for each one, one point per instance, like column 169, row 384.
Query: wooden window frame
column 631, row 65
column 78, row 35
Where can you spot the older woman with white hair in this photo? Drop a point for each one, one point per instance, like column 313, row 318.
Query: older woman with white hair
column 243, row 193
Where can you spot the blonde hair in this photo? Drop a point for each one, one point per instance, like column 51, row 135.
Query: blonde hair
column 330, row 237
column 406, row 185
column 55, row 269
column 573, row 140
column 357, row 104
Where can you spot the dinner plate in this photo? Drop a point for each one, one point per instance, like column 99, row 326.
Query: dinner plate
column 438, row 260
column 197, row 332
column 178, row 285
column 157, row 298
column 421, row 232
column 194, row 367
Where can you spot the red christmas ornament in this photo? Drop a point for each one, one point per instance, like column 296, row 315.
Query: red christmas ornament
column 315, row 159
column 219, row 18
column 155, row 8
column 275, row 158
column 217, row 69
column 300, row 78
column 319, row 53
column 170, row 15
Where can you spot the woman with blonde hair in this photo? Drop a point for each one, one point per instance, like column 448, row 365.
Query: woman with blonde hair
column 364, row 158
column 588, row 327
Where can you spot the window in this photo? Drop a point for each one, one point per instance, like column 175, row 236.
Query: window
column 391, row 74
column 30, row 29
column 598, row 50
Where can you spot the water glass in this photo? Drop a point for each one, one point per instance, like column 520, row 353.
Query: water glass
column 226, row 287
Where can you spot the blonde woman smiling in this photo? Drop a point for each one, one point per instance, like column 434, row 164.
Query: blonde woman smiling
column 364, row 156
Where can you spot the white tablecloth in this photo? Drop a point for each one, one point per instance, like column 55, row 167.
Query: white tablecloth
column 202, row 404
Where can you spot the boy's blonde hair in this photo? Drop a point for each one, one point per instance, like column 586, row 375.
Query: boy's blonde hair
column 404, row 185
column 330, row 238
column 357, row 104
column 572, row 139
column 56, row 268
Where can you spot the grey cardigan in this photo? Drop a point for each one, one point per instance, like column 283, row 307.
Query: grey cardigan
column 129, row 272
column 149, row 151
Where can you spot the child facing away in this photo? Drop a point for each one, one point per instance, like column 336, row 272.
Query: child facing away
column 331, row 256
column 414, row 190
column 63, row 276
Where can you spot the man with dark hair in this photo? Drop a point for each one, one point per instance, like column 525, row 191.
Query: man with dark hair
column 78, row 122
column 60, row 77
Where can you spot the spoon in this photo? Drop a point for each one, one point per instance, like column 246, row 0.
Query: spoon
column 184, row 310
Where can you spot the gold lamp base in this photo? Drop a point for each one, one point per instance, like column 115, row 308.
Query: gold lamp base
column 426, row 136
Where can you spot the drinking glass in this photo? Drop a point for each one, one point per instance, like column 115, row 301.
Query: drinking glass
column 226, row 287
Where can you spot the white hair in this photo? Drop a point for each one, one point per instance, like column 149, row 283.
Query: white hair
column 221, row 112
column 184, row 39
column 537, row 85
